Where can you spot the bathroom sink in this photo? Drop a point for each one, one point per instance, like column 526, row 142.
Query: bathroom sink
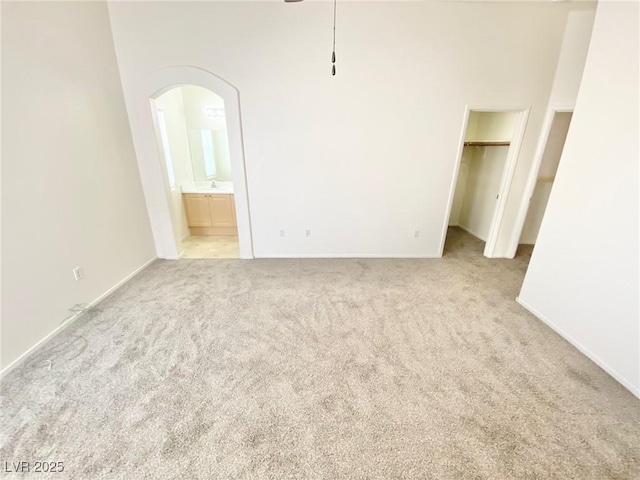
column 220, row 188
column 215, row 189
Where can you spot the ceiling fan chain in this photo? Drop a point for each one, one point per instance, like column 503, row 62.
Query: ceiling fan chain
column 333, row 52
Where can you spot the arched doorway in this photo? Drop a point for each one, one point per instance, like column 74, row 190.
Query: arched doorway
column 151, row 160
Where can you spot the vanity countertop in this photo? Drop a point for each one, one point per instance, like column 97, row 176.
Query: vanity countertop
column 205, row 187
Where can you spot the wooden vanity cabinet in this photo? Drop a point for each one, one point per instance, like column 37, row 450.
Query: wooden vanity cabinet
column 210, row 213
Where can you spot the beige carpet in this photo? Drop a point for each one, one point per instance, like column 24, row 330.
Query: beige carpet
column 320, row 369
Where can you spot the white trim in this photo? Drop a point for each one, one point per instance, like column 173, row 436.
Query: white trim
column 184, row 237
column 619, row 378
column 525, row 203
column 344, row 255
column 456, row 171
column 471, row 232
column 513, row 155
column 71, row 319
column 175, row 216
column 505, row 256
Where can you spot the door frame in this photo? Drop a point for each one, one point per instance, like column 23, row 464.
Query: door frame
column 507, row 172
column 152, row 165
column 533, row 173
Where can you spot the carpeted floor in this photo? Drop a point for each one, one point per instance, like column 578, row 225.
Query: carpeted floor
column 319, row 369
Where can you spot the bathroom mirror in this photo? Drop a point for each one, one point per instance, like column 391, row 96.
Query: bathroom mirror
column 209, row 155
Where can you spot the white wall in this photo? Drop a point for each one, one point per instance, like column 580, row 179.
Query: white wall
column 546, row 176
column 461, row 186
column 491, row 126
column 555, row 145
column 172, row 104
column 196, row 101
column 583, row 279
column 537, row 208
column 368, row 156
column 564, row 92
column 71, row 191
column 485, row 170
column 575, row 44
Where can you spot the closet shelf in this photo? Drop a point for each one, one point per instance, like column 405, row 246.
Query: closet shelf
column 486, row 144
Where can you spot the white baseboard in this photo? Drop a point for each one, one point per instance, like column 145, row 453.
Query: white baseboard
column 471, row 232
column 585, row 351
column 344, row 255
column 71, row 319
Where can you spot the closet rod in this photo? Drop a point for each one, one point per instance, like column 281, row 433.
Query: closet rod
column 487, row 144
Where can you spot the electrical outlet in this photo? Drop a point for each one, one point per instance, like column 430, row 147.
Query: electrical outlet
column 307, row 233
column 282, row 233
column 78, row 274
column 416, row 233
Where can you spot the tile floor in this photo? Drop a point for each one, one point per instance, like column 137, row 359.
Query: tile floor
column 210, row 247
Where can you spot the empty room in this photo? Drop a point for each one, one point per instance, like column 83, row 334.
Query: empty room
column 320, row 239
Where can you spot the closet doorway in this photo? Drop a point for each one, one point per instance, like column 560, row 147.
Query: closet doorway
column 548, row 166
column 487, row 162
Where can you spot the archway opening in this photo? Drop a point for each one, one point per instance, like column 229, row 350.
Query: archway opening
column 192, row 138
column 152, row 161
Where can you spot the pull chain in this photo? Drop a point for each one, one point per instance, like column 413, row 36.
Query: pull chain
column 333, row 54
